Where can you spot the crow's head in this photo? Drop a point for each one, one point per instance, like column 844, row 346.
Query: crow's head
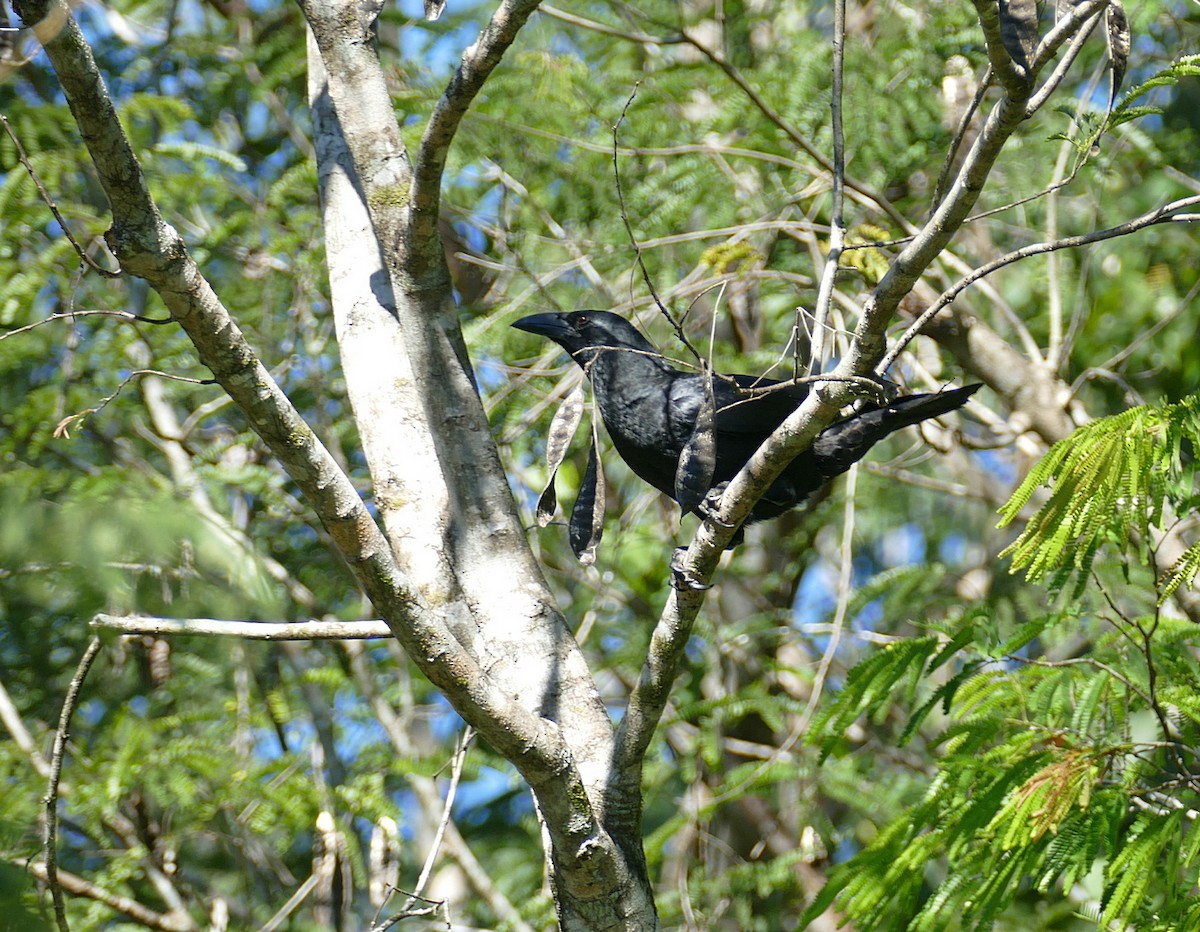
column 585, row 334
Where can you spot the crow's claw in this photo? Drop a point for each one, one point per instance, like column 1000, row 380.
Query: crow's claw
column 684, row 580
column 709, row 509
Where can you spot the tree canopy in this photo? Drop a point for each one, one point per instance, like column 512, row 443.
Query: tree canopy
column 935, row 697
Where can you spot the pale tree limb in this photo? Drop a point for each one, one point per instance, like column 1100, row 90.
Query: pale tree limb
column 147, row 246
column 247, row 630
column 499, row 608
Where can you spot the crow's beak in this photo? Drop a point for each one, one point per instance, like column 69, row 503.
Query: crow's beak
column 545, row 325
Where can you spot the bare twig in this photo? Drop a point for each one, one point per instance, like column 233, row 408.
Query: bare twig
column 845, row 582
column 71, row 315
column 637, row 250
column 50, row 801
column 960, row 133
column 62, row 429
column 413, row 911
column 640, row 37
column 1168, row 213
column 426, row 792
column 699, row 148
column 460, row 757
column 79, row 250
column 837, row 218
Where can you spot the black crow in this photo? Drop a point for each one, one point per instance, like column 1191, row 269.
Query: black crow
column 650, row 409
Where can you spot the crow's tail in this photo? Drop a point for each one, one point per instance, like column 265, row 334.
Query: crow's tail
column 843, row 444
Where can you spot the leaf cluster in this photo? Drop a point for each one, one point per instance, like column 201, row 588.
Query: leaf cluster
column 1114, row 481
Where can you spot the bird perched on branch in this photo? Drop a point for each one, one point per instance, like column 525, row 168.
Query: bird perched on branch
column 688, row 434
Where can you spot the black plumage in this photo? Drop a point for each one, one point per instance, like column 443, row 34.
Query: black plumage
column 650, row 410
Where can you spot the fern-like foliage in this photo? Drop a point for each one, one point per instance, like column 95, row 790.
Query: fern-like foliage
column 1110, row 477
column 1047, row 780
column 1062, row 776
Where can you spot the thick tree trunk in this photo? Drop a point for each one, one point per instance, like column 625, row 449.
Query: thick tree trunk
column 441, row 492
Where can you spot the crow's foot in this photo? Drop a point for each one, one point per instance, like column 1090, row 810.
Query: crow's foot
column 710, row 508
column 684, row 580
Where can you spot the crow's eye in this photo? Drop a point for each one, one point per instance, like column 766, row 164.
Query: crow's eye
column 581, row 320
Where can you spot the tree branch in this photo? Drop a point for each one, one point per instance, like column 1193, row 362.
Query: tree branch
column 76, row 885
column 867, row 347
column 247, row 630
column 1168, row 213
column 474, row 558
column 837, row 218
column 478, row 62
column 148, row 247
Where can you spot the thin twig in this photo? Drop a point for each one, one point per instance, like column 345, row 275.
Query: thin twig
column 24, row 159
column 71, row 315
column 837, row 628
column 62, row 429
column 1056, row 347
column 414, row 912
column 606, row 30
column 393, row 723
column 960, row 134
column 460, row 757
column 837, row 218
column 1077, row 39
column 845, row 582
column 798, row 139
column 50, row 802
column 637, row 250
column 1168, row 213
column 697, row 148
column 1083, row 661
